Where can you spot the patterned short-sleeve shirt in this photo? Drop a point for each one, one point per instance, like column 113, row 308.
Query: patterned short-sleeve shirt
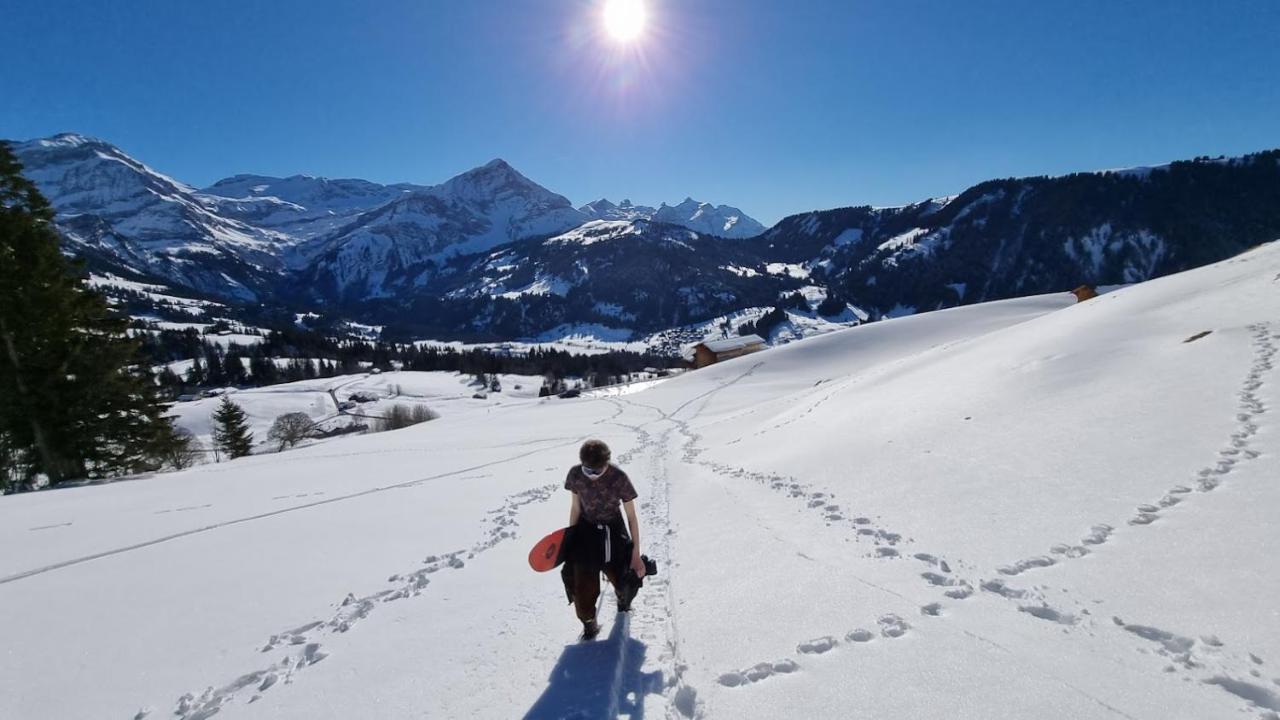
column 601, row 498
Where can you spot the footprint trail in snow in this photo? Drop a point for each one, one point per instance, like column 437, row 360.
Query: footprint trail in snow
column 298, row 648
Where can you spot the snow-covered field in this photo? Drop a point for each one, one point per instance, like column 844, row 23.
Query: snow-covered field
column 1024, row 509
column 445, row 393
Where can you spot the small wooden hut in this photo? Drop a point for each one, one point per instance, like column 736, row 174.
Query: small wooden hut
column 1084, row 292
column 709, row 352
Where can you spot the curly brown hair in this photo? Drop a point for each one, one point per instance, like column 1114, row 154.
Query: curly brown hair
column 594, row 454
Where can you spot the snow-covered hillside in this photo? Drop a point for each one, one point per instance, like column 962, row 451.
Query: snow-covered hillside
column 1028, row 508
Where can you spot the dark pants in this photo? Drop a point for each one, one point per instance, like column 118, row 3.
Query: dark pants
column 586, row 557
column 586, row 589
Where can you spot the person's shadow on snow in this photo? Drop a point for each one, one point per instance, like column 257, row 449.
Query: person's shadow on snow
column 598, row 679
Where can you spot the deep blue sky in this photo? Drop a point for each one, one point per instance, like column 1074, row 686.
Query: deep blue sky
column 775, row 106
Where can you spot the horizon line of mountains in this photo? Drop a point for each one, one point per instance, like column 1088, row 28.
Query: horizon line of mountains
column 490, row 254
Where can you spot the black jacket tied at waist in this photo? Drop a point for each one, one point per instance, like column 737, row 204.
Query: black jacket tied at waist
column 596, row 546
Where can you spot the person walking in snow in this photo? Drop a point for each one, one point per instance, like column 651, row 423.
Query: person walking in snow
column 596, row 540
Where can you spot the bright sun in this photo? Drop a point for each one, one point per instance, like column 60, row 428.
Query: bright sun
column 624, row 19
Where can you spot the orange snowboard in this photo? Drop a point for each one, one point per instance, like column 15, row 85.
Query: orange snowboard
column 546, row 554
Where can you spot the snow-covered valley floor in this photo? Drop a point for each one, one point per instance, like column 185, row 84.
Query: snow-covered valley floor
column 1028, row 508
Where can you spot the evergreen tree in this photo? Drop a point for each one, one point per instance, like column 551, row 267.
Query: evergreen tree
column 231, row 429
column 263, row 369
column 169, row 382
column 215, row 375
column 196, row 376
column 292, row 371
column 350, row 365
column 77, row 401
column 831, row 305
column 234, row 367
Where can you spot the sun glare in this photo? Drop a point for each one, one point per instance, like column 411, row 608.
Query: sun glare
column 624, row 19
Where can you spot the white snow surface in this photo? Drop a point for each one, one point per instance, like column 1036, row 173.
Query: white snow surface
column 594, row 231
column 795, row 270
column 1028, row 508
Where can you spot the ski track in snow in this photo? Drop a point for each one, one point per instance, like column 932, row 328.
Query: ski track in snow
column 681, row 697
column 299, row 644
column 49, row 527
column 654, row 609
column 651, row 614
column 260, row 516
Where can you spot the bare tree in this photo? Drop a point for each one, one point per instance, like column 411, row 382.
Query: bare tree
column 180, row 450
column 290, row 429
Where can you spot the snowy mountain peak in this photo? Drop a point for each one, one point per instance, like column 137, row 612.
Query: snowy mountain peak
column 71, row 140
column 239, row 179
column 723, row 221
column 476, row 211
column 80, row 173
column 495, row 168
column 605, row 209
column 495, row 181
column 117, row 209
column 601, row 206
